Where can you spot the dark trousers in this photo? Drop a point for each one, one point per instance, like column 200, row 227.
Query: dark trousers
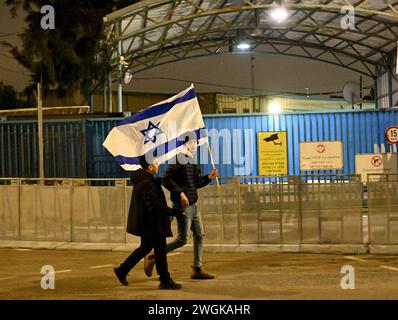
column 147, row 244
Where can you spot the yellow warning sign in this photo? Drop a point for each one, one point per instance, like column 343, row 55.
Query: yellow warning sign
column 272, row 153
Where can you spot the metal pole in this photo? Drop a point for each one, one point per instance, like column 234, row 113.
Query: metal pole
column 104, row 98
column 119, row 80
column 40, row 129
column 110, row 107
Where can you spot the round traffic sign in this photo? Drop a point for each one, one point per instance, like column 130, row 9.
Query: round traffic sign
column 392, row 134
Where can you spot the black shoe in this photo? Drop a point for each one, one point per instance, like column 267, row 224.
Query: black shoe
column 169, row 285
column 121, row 276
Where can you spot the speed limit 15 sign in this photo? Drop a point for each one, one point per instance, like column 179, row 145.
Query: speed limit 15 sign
column 392, row 134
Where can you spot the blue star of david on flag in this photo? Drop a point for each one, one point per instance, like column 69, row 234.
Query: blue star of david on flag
column 151, row 132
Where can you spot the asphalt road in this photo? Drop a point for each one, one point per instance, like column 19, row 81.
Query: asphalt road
column 89, row 275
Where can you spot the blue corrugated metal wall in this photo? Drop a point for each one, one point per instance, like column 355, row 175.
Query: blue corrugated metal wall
column 74, row 148
column 100, row 163
column 359, row 131
column 64, row 149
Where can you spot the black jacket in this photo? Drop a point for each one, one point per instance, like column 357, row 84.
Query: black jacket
column 148, row 215
column 185, row 178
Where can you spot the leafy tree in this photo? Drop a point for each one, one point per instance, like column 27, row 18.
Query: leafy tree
column 9, row 98
column 64, row 58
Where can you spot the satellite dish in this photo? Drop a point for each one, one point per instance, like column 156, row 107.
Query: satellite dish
column 128, row 76
column 352, row 92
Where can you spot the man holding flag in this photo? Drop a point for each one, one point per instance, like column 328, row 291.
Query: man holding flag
column 159, row 132
column 182, row 179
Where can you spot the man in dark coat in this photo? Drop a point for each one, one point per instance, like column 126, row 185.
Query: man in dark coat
column 149, row 219
column 182, row 179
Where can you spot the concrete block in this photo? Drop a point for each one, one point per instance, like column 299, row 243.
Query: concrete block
column 383, row 249
column 38, row 245
column 334, row 248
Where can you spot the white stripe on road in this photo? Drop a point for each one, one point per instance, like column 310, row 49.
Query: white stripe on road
column 8, row 278
column 389, row 268
column 174, row 254
column 63, row 271
column 355, row 258
column 21, row 249
column 103, row 266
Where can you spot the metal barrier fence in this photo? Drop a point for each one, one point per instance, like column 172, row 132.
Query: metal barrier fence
column 383, row 208
column 9, row 209
column 274, row 209
column 81, row 210
column 284, row 209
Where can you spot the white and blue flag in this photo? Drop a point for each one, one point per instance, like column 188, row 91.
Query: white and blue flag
column 158, row 130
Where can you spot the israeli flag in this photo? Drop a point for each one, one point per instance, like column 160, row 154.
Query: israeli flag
column 159, row 130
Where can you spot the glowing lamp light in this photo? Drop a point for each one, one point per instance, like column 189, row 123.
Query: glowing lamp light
column 279, row 14
column 274, row 107
column 243, row 46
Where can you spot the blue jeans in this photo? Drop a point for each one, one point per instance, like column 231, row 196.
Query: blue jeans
column 191, row 219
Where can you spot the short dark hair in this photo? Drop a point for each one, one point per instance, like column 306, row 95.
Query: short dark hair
column 143, row 163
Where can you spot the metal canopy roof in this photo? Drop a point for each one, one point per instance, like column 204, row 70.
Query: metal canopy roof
column 154, row 32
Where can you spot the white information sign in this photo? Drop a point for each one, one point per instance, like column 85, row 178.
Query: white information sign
column 321, row 155
column 376, row 163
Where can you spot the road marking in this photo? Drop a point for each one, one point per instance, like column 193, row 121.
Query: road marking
column 174, row 254
column 8, row 278
column 355, row 258
column 20, row 249
column 103, row 266
column 389, row 268
column 63, row 271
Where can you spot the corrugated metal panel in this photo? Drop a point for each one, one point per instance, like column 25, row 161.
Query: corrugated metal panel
column 18, row 150
column 64, row 149
column 74, row 148
column 100, row 163
column 360, row 132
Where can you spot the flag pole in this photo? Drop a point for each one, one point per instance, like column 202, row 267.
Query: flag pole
column 212, row 162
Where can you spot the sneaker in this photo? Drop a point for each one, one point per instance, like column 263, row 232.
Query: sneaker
column 149, row 263
column 201, row 273
column 169, row 285
column 121, row 276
